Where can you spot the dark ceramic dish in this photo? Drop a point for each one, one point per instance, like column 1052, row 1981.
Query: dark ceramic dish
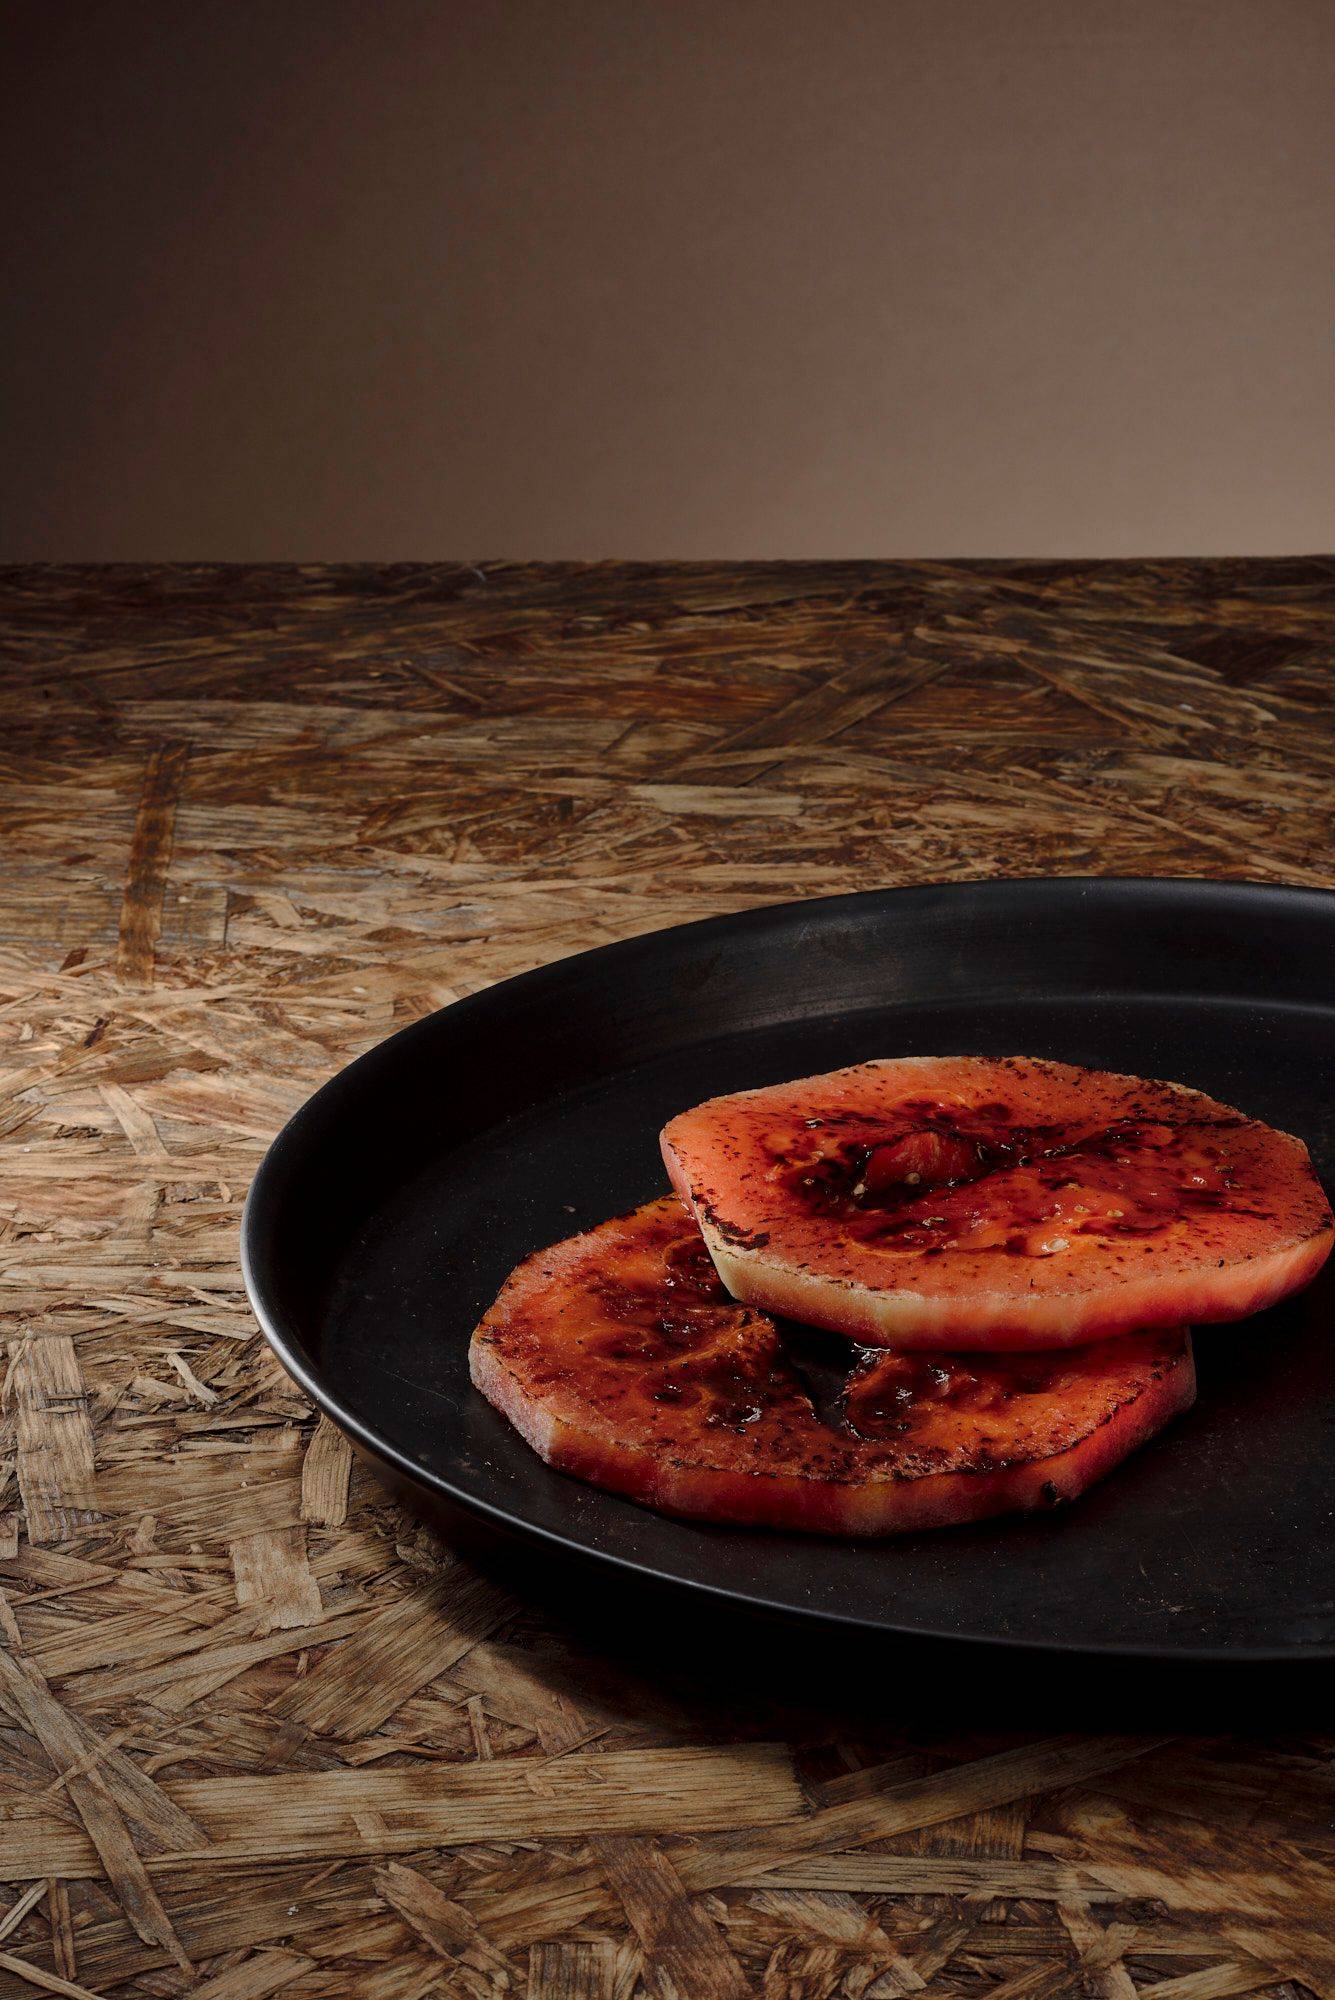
column 390, row 1209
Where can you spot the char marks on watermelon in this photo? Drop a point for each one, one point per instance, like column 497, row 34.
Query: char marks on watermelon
column 976, row 1202
column 619, row 1356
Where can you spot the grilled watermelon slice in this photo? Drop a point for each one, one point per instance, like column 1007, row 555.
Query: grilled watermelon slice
column 621, row 1359
column 971, row 1202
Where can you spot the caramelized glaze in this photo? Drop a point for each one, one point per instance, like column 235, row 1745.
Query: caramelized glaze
column 630, row 1327
column 935, row 1180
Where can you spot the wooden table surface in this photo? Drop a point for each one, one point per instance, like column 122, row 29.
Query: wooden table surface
column 259, row 1732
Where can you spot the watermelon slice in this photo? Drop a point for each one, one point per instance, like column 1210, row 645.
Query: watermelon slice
column 620, row 1358
column 969, row 1202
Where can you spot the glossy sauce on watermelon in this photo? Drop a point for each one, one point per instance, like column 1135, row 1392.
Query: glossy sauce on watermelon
column 987, row 1202
column 621, row 1358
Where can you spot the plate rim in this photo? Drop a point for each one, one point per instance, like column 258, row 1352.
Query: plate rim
column 372, row 1443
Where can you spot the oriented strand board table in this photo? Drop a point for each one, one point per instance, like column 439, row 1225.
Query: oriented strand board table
column 259, row 1732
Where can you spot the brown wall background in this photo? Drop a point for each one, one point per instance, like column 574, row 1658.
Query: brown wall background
column 680, row 278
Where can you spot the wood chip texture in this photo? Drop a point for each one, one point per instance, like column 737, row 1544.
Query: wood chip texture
column 260, row 1732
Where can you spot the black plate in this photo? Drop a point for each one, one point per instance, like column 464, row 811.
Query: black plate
column 393, row 1205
